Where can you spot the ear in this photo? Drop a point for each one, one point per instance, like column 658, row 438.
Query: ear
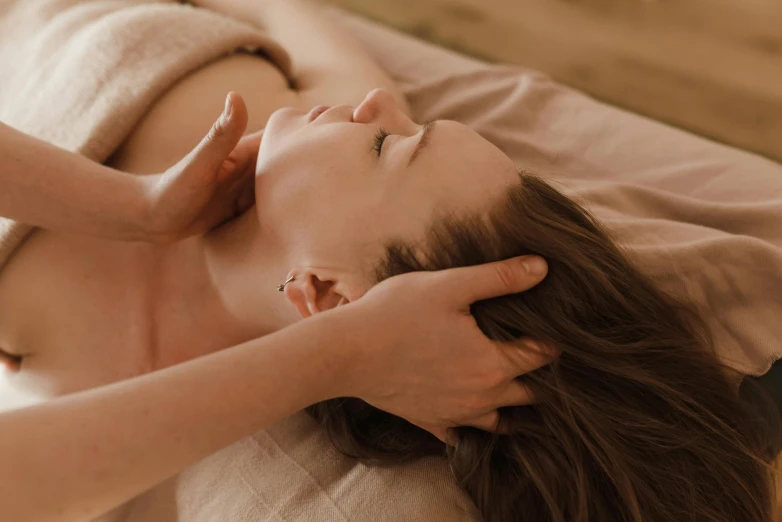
column 316, row 290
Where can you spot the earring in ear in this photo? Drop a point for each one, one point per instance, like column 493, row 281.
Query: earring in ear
column 281, row 287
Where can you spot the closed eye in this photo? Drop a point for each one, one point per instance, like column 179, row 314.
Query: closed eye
column 380, row 137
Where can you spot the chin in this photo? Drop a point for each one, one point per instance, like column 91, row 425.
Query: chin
column 283, row 120
column 280, row 125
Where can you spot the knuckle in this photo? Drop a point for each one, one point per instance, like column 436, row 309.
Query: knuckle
column 546, row 352
column 492, row 420
column 507, row 275
column 495, row 377
column 217, row 131
column 499, row 382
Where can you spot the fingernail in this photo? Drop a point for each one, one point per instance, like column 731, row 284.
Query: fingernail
column 535, row 265
column 228, row 107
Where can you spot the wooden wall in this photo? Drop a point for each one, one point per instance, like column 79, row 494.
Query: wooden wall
column 713, row 67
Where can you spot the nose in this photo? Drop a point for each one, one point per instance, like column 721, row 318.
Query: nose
column 380, row 107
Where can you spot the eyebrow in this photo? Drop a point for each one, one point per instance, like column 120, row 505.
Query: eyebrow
column 423, row 142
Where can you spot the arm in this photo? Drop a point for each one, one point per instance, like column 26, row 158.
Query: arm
column 48, row 187
column 330, row 66
column 79, row 455
column 83, row 454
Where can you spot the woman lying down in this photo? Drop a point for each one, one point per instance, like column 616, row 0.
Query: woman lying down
column 636, row 420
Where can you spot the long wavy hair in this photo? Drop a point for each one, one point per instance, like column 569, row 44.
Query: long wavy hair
column 636, row 421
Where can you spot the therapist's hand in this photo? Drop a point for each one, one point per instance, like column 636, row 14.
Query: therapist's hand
column 421, row 356
column 211, row 185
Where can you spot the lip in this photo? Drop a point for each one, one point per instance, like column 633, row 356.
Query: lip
column 317, row 111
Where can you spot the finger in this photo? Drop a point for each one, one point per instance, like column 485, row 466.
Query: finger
column 252, row 141
column 488, row 422
column 246, row 197
column 516, row 394
column 245, row 155
column 215, row 148
column 511, row 276
column 439, row 432
column 236, row 182
column 525, row 355
column 446, row 435
column 238, row 196
column 228, row 169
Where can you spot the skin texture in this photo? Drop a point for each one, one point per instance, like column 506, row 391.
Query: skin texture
column 47, row 187
column 329, row 167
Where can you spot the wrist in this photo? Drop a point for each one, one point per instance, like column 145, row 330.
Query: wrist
column 338, row 353
column 134, row 208
column 113, row 204
column 147, row 216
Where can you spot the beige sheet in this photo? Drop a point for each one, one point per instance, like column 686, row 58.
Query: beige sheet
column 703, row 219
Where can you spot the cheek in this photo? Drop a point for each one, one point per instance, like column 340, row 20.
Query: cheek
column 307, row 196
column 314, row 181
column 284, row 195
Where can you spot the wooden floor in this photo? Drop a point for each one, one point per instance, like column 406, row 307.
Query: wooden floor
column 713, row 67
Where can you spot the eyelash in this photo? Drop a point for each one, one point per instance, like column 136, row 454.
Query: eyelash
column 380, row 137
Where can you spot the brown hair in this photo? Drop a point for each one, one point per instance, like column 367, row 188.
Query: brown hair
column 636, row 421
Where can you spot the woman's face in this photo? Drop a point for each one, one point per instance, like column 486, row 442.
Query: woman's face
column 334, row 189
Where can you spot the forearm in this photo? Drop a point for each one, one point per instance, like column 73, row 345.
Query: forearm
column 78, row 456
column 49, row 187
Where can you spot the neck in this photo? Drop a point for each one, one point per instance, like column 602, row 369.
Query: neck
column 245, row 262
column 219, row 289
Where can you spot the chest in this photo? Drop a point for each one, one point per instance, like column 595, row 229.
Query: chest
column 76, row 310
column 181, row 118
column 80, row 306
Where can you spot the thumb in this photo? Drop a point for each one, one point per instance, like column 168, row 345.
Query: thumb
column 475, row 283
column 215, row 148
